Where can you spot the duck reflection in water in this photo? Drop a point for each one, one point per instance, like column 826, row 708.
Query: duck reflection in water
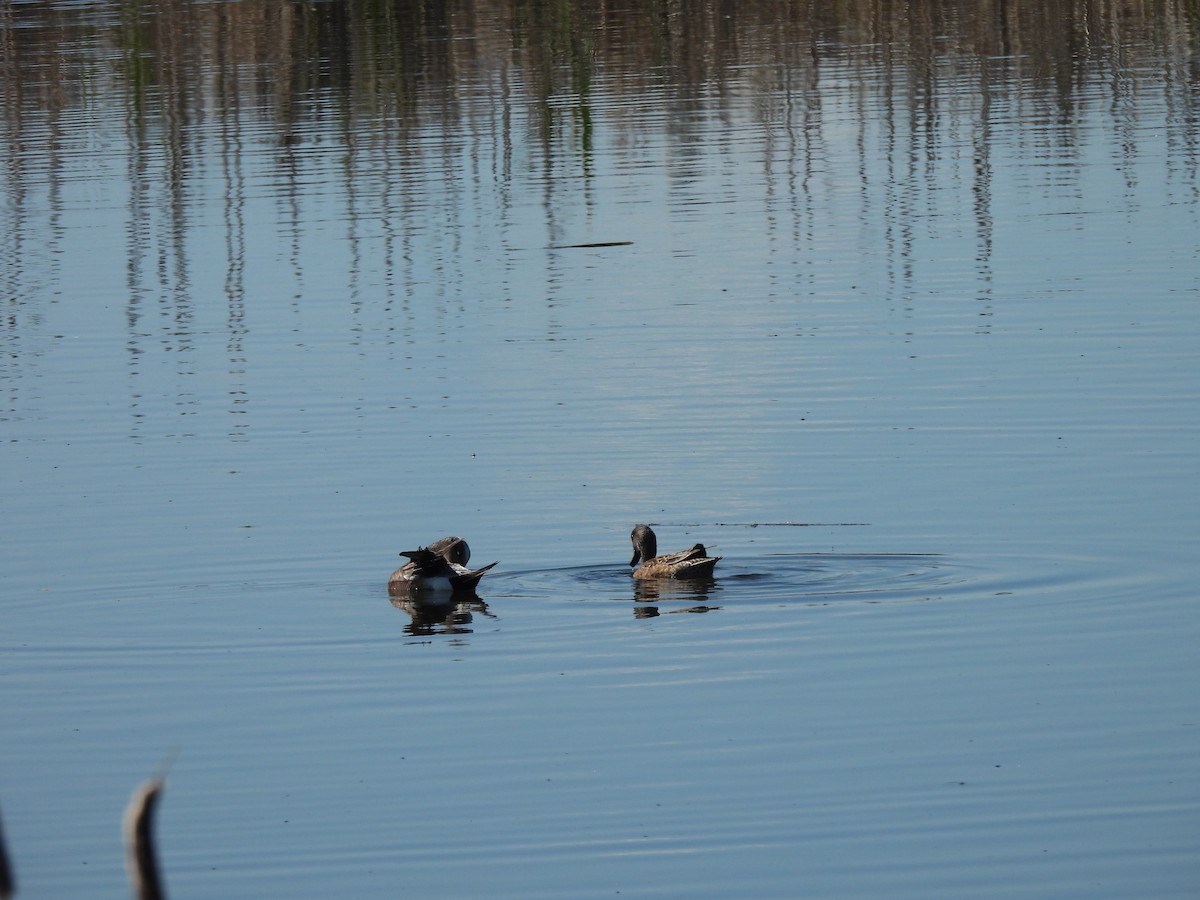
column 650, row 593
column 447, row 615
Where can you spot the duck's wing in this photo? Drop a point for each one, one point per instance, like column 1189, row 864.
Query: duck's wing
column 693, row 562
column 426, row 563
column 696, row 551
column 697, row 567
column 402, row 575
column 419, row 556
column 407, row 572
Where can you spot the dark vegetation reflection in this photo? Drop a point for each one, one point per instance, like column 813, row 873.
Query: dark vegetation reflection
column 498, row 96
column 368, row 77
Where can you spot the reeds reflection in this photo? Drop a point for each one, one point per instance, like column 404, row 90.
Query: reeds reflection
column 424, row 60
column 377, row 79
column 416, row 136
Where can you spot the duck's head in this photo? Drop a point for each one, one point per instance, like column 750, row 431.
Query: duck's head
column 645, row 544
column 453, row 548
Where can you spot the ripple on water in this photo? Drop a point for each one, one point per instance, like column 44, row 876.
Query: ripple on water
column 811, row 579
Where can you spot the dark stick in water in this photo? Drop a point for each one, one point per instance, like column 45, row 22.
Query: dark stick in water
column 140, row 858
column 8, row 881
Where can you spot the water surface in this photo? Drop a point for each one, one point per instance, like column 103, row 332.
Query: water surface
column 897, row 310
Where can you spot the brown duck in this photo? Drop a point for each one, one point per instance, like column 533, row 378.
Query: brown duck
column 692, row 563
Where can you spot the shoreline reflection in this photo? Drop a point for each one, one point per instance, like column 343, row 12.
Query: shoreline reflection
column 388, row 142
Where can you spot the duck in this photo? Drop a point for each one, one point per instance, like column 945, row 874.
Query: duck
column 692, row 563
column 439, row 568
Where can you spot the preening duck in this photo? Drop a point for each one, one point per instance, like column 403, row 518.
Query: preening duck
column 440, row 568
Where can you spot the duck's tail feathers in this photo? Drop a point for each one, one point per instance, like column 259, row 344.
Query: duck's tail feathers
column 469, row 578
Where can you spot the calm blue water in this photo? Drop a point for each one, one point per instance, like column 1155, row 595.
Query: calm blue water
column 900, row 318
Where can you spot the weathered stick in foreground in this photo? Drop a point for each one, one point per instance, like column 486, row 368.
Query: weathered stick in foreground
column 140, row 859
column 8, row 881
